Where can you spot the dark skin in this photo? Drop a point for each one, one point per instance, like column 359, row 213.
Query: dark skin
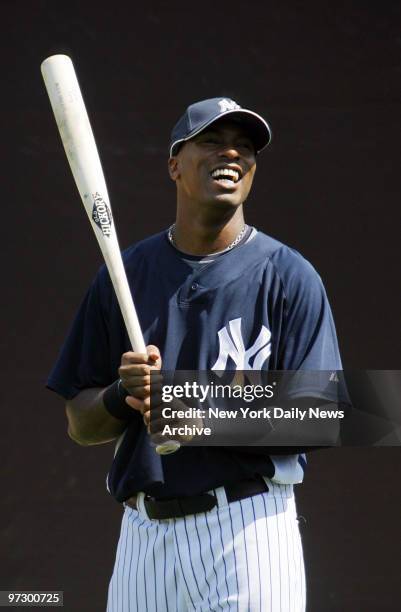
column 209, row 212
column 209, row 217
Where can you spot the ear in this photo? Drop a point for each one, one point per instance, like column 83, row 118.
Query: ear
column 173, row 168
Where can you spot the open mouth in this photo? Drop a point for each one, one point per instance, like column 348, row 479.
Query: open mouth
column 226, row 176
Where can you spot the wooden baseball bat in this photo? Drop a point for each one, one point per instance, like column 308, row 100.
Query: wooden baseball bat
column 82, row 154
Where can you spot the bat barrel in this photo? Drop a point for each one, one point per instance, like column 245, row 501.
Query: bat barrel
column 82, row 154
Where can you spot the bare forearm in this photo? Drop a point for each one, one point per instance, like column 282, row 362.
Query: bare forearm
column 88, row 420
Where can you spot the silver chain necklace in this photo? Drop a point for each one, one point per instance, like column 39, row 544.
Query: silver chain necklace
column 171, row 231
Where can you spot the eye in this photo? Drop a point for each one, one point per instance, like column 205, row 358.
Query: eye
column 211, row 140
column 248, row 146
column 208, row 138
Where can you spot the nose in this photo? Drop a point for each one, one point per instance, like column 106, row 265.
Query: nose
column 229, row 151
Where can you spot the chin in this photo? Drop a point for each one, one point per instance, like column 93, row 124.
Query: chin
column 227, row 199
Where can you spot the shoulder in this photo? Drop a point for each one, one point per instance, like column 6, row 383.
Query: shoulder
column 148, row 247
column 145, row 246
column 295, row 272
column 133, row 255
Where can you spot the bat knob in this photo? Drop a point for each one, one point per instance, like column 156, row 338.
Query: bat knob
column 171, row 446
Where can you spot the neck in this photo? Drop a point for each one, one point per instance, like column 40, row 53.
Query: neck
column 197, row 235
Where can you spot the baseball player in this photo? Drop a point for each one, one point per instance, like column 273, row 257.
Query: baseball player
column 204, row 528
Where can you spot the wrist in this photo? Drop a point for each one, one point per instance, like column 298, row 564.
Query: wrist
column 114, row 401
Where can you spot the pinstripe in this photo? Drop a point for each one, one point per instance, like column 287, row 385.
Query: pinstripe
column 297, row 564
column 278, row 547
column 124, row 585
column 214, row 562
column 130, row 561
column 257, row 550
column 297, row 557
column 117, row 564
column 119, row 572
column 190, row 560
column 182, row 569
column 300, row 561
column 125, row 556
column 294, row 572
column 301, row 568
column 286, row 541
column 137, row 563
column 170, row 552
column 144, row 568
column 268, row 549
column 235, row 556
column 292, row 523
column 201, row 559
column 164, row 568
column 154, row 530
column 297, row 574
column 224, row 556
column 120, row 564
column 175, row 582
column 246, row 552
column 157, row 531
column 138, row 547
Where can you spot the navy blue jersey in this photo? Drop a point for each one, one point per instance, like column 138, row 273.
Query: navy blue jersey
column 259, row 306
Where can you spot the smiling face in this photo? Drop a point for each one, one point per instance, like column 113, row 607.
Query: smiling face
column 215, row 167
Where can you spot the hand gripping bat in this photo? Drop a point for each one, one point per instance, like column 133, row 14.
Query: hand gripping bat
column 82, row 154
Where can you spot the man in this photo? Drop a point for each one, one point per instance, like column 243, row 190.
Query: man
column 205, row 528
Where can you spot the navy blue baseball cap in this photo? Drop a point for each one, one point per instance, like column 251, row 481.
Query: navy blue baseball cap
column 202, row 114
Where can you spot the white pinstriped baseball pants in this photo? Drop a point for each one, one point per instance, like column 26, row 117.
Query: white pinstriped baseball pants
column 245, row 557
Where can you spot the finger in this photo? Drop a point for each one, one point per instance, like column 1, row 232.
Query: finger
column 144, row 405
column 143, row 391
column 134, row 380
column 135, row 403
column 153, row 414
column 131, row 357
column 140, row 369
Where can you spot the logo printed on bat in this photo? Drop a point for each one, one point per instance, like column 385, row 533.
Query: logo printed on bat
column 101, row 214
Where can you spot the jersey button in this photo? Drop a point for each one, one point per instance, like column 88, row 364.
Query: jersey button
column 194, row 286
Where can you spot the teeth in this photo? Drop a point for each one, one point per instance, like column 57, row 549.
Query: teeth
column 221, row 172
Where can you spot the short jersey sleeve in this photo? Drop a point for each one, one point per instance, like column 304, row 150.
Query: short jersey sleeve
column 84, row 361
column 308, row 339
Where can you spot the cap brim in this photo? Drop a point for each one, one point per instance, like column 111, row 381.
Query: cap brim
column 258, row 129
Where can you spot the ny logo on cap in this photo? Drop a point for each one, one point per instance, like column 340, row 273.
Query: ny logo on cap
column 227, row 105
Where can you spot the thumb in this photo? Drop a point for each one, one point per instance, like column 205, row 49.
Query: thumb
column 154, row 354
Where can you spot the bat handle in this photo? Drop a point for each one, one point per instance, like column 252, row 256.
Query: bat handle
column 138, row 344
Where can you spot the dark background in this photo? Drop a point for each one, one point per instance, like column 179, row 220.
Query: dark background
column 327, row 77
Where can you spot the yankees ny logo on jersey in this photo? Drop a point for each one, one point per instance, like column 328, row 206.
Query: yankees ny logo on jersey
column 227, row 105
column 231, row 344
